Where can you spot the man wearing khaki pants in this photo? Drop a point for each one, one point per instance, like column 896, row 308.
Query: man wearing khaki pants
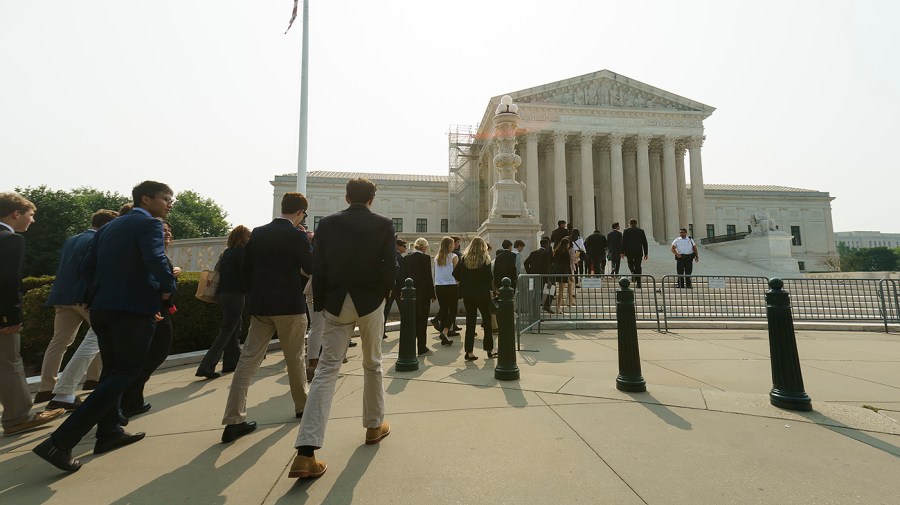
column 67, row 297
column 273, row 258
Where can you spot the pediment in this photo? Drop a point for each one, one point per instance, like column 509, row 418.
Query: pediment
column 606, row 89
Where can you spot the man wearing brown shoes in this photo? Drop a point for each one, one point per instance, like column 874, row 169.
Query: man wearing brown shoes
column 16, row 215
column 353, row 272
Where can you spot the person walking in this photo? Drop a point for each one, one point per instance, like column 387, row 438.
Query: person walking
column 354, row 269
column 230, row 296
column 395, row 293
column 274, row 259
column 559, row 233
column 417, row 266
column 445, row 289
column 16, row 215
column 561, row 267
column 614, row 247
column 595, row 245
column 685, row 251
column 578, row 246
column 505, row 265
column 538, row 262
column 128, row 274
column 476, row 285
column 634, row 248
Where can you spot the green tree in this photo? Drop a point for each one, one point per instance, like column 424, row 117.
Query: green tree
column 60, row 214
column 872, row 259
column 194, row 216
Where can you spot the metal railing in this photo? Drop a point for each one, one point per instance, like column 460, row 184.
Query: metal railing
column 890, row 301
column 834, row 299
column 724, row 238
column 713, row 297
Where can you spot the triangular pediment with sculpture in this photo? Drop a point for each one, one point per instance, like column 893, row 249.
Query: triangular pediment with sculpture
column 607, row 89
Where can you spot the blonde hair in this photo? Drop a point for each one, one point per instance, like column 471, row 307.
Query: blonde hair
column 420, row 243
column 476, row 254
column 445, row 252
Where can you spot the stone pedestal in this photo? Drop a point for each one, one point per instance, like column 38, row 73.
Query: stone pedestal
column 771, row 251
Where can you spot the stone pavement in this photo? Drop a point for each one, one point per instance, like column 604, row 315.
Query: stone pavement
column 704, row 433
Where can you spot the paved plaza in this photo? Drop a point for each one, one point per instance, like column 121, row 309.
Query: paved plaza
column 704, row 433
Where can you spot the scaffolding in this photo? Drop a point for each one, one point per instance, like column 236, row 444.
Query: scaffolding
column 463, row 208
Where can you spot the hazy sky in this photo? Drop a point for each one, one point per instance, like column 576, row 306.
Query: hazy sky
column 204, row 94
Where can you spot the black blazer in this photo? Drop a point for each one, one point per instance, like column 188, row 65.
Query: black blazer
column 126, row 266
column 614, row 243
column 595, row 244
column 505, row 266
column 538, row 262
column 473, row 283
column 356, row 254
column 273, row 258
column 634, row 242
column 12, row 259
column 557, row 235
column 230, row 265
column 417, row 266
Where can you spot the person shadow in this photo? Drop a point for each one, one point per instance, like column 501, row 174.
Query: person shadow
column 341, row 492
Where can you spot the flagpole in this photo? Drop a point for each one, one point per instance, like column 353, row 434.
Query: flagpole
column 304, row 96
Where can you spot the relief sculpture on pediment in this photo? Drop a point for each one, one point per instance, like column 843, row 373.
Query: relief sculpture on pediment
column 605, row 93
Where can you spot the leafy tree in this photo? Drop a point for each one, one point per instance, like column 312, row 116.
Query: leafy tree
column 60, row 214
column 872, row 259
column 194, row 216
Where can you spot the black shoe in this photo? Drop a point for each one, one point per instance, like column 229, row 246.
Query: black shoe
column 452, row 333
column 107, row 444
column 445, row 340
column 456, row 328
column 60, row 458
column 436, row 324
column 43, row 396
column 352, row 344
column 298, row 415
column 235, row 431
column 208, row 375
column 69, row 406
column 471, row 357
column 228, row 370
column 136, row 411
column 384, row 337
column 89, row 385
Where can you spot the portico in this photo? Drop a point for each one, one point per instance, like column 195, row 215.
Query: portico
column 601, row 148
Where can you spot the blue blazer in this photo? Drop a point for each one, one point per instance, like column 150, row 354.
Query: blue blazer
column 126, row 266
column 68, row 288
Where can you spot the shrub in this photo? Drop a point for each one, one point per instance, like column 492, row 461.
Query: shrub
column 29, row 283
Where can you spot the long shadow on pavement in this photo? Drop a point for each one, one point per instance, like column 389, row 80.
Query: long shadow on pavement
column 661, row 411
column 341, row 493
column 847, row 431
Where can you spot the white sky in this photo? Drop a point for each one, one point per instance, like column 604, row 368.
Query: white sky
column 204, row 94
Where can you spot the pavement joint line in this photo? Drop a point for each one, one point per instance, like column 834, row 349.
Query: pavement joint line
column 589, row 446
column 703, row 396
column 852, row 376
column 564, row 385
column 684, row 375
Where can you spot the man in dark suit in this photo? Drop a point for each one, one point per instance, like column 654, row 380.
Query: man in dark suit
column 634, row 247
column 398, row 282
column 16, row 215
column 417, row 266
column 273, row 259
column 128, row 274
column 354, row 268
column 559, row 233
column 595, row 246
column 66, row 297
column 505, row 265
column 614, row 246
column 538, row 262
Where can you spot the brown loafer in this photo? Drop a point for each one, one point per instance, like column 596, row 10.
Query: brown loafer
column 41, row 418
column 307, row 467
column 375, row 435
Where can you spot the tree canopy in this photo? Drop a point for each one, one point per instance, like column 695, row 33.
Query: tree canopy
column 872, row 259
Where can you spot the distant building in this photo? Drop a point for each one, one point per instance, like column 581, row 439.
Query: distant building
column 867, row 239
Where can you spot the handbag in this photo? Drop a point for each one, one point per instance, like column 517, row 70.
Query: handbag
column 209, row 284
column 549, row 289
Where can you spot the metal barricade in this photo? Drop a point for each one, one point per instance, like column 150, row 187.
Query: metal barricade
column 593, row 298
column 835, row 299
column 713, row 297
column 890, row 302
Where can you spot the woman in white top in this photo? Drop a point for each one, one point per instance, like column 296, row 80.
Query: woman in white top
column 445, row 289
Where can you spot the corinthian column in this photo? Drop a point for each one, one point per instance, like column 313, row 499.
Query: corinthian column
column 586, row 221
column 560, row 194
column 645, row 202
column 617, row 177
column 670, row 186
column 697, row 203
column 683, row 216
column 532, row 195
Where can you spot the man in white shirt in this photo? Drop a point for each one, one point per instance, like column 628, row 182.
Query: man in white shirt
column 685, row 251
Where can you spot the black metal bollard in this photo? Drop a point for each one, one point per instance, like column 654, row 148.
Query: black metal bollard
column 506, row 369
column 406, row 357
column 787, row 378
column 630, row 378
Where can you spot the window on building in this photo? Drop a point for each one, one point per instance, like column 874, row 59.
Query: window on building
column 710, row 230
column 795, row 233
column 316, row 222
column 731, row 229
column 445, row 226
column 801, row 265
column 398, row 224
column 421, row 225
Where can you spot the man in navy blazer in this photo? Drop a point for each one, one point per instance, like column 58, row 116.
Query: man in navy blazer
column 273, row 259
column 354, row 269
column 67, row 297
column 128, row 274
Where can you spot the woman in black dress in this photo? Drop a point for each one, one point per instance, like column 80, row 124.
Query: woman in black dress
column 417, row 266
column 476, row 285
column 562, row 265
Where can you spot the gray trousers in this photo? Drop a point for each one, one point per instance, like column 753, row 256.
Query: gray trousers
column 14, row 395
